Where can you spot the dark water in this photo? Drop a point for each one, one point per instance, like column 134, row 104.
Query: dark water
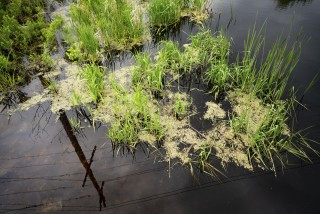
column 43, row 165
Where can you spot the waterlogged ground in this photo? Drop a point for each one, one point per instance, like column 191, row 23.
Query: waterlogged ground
column 44, row 164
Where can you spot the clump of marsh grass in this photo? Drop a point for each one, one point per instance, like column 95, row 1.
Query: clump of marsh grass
column 9, row 81
column 133, row 114
column 149, row 74
column 105, row 24
column 181, row 105
column 169, row 55
column 21, row 26
column 205, row 152
column 52, row 86
column 51, row 31
column 218, row 76
column 164, row 13
column 94, row 75
column 212, row 48
column 269, row 78
column 195, row 9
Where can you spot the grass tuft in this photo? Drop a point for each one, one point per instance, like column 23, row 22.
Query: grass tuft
column 94, row 75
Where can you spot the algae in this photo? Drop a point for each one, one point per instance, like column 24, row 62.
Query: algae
column 214, row 112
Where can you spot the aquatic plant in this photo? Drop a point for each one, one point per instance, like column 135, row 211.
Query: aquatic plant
column 164, row 12
column 141, row 68
column 9, row 81
column 51, row 31
column 218, row 76
column 88, row 40
column 169, row 55
column 181, row 105
column 94, row 75
column 211, row 47
column 149, row 74
column 52, row 86
column 110, row 24
column 76, row 99
column 195, row 4
column 21, row 25
column 155, row 79
column 133, row 113
column 75, row 124
column 205, row 152
column 268, row 79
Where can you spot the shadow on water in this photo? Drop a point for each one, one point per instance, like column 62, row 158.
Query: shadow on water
column 12, row 99
column 74, row 141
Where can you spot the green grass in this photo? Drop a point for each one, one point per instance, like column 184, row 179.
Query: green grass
column 94, row 75
column 21, row 26
column 133, row 112
column 88, row 40
column 105, row 25
column 181, row 106
column 197, row 5
column 52, row 86
column 205, row 152
column 271, row 137
column 218, row 76
column 50, row 32
column 9, row 81
column 164, row 12
column 169, row 55
column 269, row 78
column 211, row 47
column 148, row 73
column 142, row 68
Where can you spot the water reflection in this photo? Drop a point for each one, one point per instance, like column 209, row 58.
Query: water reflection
column 74, row 141
column 282, row 4
column 12, row 99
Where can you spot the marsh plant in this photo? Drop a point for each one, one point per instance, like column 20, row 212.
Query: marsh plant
column 21, row 25
column 133, row 114
column 169, row 55
column 164, row 13
column 94, row 75
column 148, row 74
column 265, row 81
column 104, row 25
column 9, row 81
column 205, row 152
column 52, row 86
column 181, row 105
column 260, row 116
column 51, row 31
